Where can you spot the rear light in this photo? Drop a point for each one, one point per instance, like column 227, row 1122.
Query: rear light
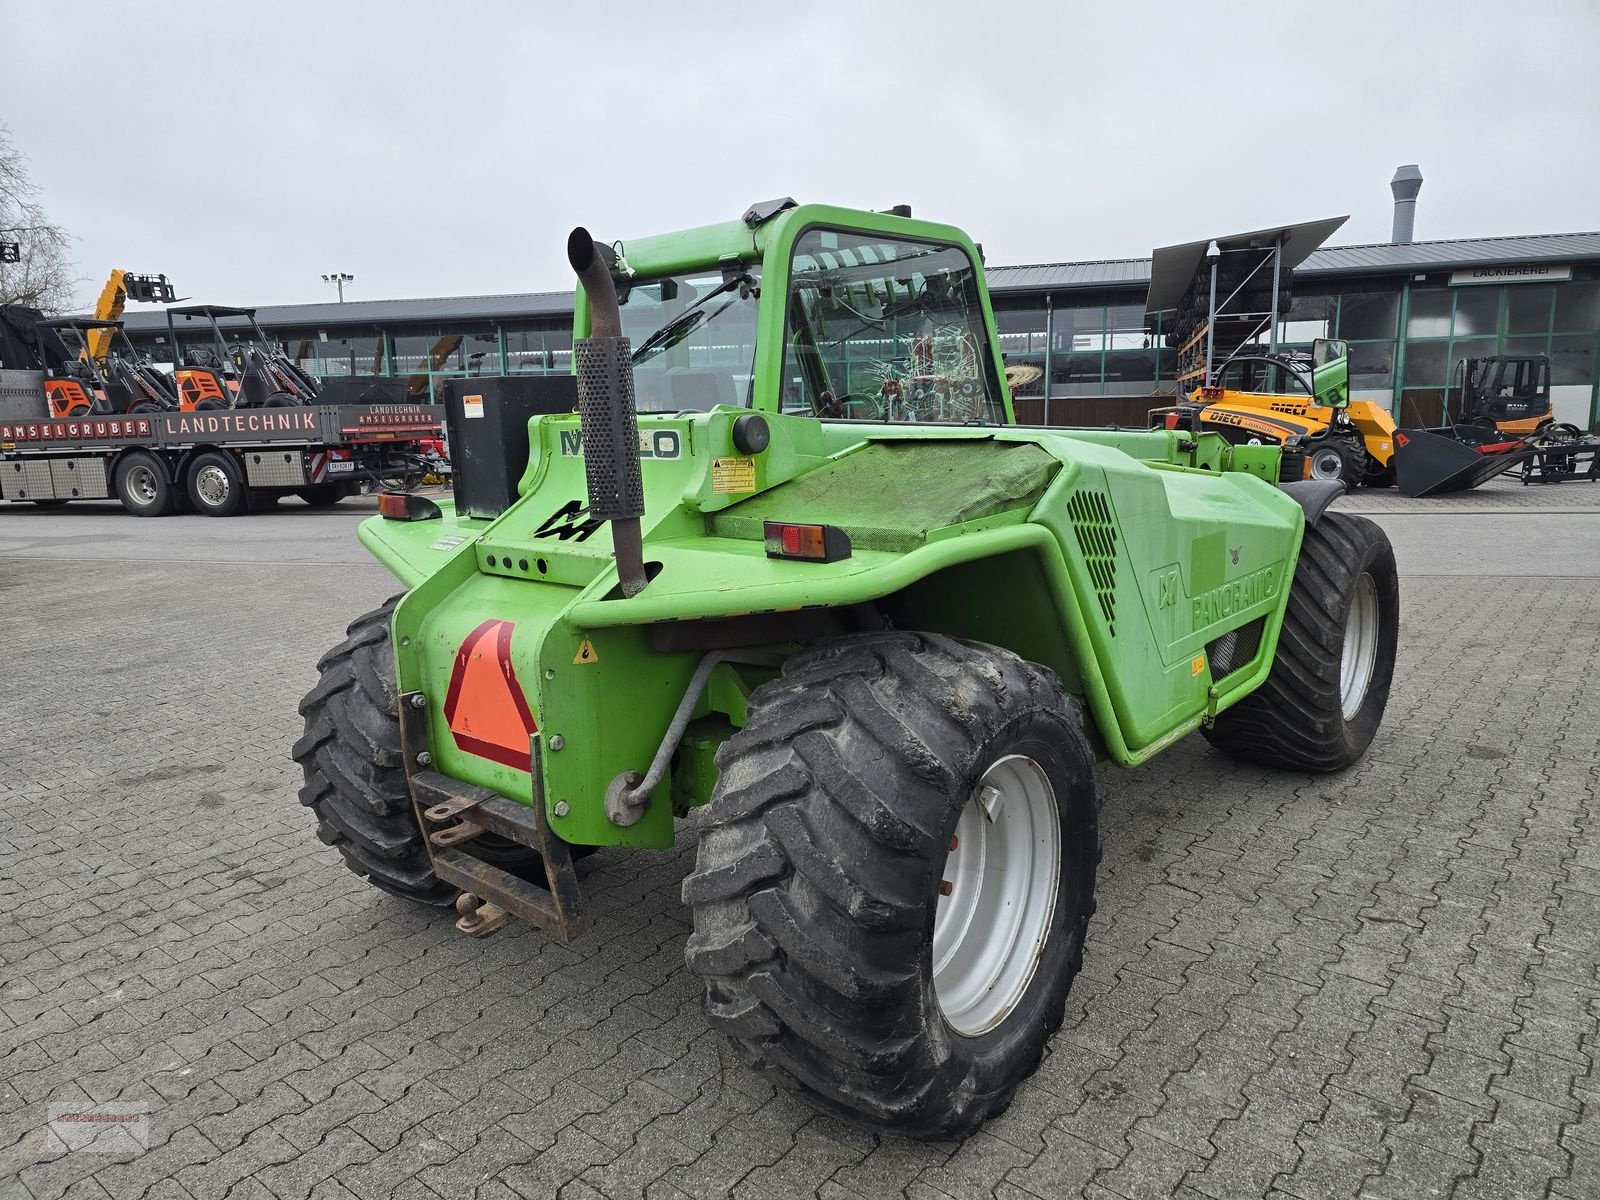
column 1498, row 447
column 1211, row 393
column 814, row 543
column 407, row 506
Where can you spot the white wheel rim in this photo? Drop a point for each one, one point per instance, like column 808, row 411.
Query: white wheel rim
column 1360, row 646
column 212, row 484
column 142, row 483
column 1326, row 464
column 1004, row 871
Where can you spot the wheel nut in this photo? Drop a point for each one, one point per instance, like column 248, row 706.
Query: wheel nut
column 557, row 742
column 562, row 808
column 419, row 701
column 424, row 759
column 946, row 887
column 954, row 841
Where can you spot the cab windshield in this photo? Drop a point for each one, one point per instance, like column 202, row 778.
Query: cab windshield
column 693, row 338
column 887, row 329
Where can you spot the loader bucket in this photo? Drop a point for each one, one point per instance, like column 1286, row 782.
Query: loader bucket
column 1434, row 462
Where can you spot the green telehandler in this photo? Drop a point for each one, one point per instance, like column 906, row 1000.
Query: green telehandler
column 792, row 568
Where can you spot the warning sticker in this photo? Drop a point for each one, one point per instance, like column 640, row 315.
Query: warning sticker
column 733, row 475
column 585, row 654
column 1197, row 664
column 472, row 406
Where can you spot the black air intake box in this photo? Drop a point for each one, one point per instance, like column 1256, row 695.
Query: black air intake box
column 487, row 419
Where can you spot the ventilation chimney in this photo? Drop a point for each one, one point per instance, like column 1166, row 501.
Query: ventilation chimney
column 1405, row 185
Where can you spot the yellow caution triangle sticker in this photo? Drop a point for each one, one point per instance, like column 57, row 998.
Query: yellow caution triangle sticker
column 585, row 654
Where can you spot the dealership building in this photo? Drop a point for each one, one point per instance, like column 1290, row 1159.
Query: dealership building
column 1410, row 311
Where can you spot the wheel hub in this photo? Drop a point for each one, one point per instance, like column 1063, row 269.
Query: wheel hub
column 998, row 896
column 142, row 483
column 212, row 484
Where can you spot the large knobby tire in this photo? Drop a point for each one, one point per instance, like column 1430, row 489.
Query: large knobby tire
column 355, row 778
column 835, row 957
column 1321, row 704
column 143, row 486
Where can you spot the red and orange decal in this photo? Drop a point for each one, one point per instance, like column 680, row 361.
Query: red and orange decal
column 487, row 713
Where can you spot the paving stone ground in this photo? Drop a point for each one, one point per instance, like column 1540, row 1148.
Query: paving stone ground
column 1379, row 984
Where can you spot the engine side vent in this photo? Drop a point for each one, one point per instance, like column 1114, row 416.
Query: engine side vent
column 1235, row 649
column 1097, row 542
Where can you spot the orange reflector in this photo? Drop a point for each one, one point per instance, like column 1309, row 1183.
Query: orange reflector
column 815, row 543
column 1172, row 420
column 405, row 506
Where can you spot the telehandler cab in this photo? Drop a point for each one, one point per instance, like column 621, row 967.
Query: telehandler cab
column 791, row 564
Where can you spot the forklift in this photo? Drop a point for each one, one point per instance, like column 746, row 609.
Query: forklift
column 1509, row 393
column 247, row 373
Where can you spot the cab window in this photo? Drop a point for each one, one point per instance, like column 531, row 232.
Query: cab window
column 880, row 329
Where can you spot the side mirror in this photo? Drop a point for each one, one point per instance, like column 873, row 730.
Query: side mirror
column 1330, row 372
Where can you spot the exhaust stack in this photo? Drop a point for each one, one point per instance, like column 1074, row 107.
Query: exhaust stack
column 1405, row 185
column 606, row 414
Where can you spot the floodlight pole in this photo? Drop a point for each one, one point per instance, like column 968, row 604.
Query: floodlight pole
column 339, row 279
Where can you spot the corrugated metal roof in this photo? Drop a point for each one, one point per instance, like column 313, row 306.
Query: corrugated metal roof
column 1105, row 272
column 1376, row 259
column 1448, row 255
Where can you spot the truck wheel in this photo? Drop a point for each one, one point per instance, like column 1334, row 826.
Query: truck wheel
column 216, row 485
column 1378, row 477
column 355, row 778
column 1322, row 702
column 895, row 876
column 143, row 485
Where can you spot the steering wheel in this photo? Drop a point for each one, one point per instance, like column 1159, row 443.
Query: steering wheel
column 859, row 406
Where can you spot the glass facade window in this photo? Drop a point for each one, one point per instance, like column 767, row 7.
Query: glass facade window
column 1125, row 329
column 1023, row 334
column 1477, row 312
column 1425, row 363
column 1079, row 329
column 1372, row 364
column 1309, row 318
column 1577, row 308
column 1572, row 358
column 348, row 354
column 1528, row 309
column 1367, row 316
column 1429, row 315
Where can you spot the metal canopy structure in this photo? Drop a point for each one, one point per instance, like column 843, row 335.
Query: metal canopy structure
column 211, row 310
column 1173, row 268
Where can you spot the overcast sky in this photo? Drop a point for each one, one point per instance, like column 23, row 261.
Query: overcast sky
column 446, row 148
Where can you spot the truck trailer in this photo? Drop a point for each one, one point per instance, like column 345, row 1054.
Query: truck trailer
column 213, row 462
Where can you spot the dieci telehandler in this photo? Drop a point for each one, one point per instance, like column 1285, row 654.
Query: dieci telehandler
column 791, row 563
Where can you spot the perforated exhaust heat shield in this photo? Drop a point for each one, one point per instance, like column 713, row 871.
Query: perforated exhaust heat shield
column 610, row 428
column 605, row 410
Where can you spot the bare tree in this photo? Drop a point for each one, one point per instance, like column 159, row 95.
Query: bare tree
column 42, row 277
